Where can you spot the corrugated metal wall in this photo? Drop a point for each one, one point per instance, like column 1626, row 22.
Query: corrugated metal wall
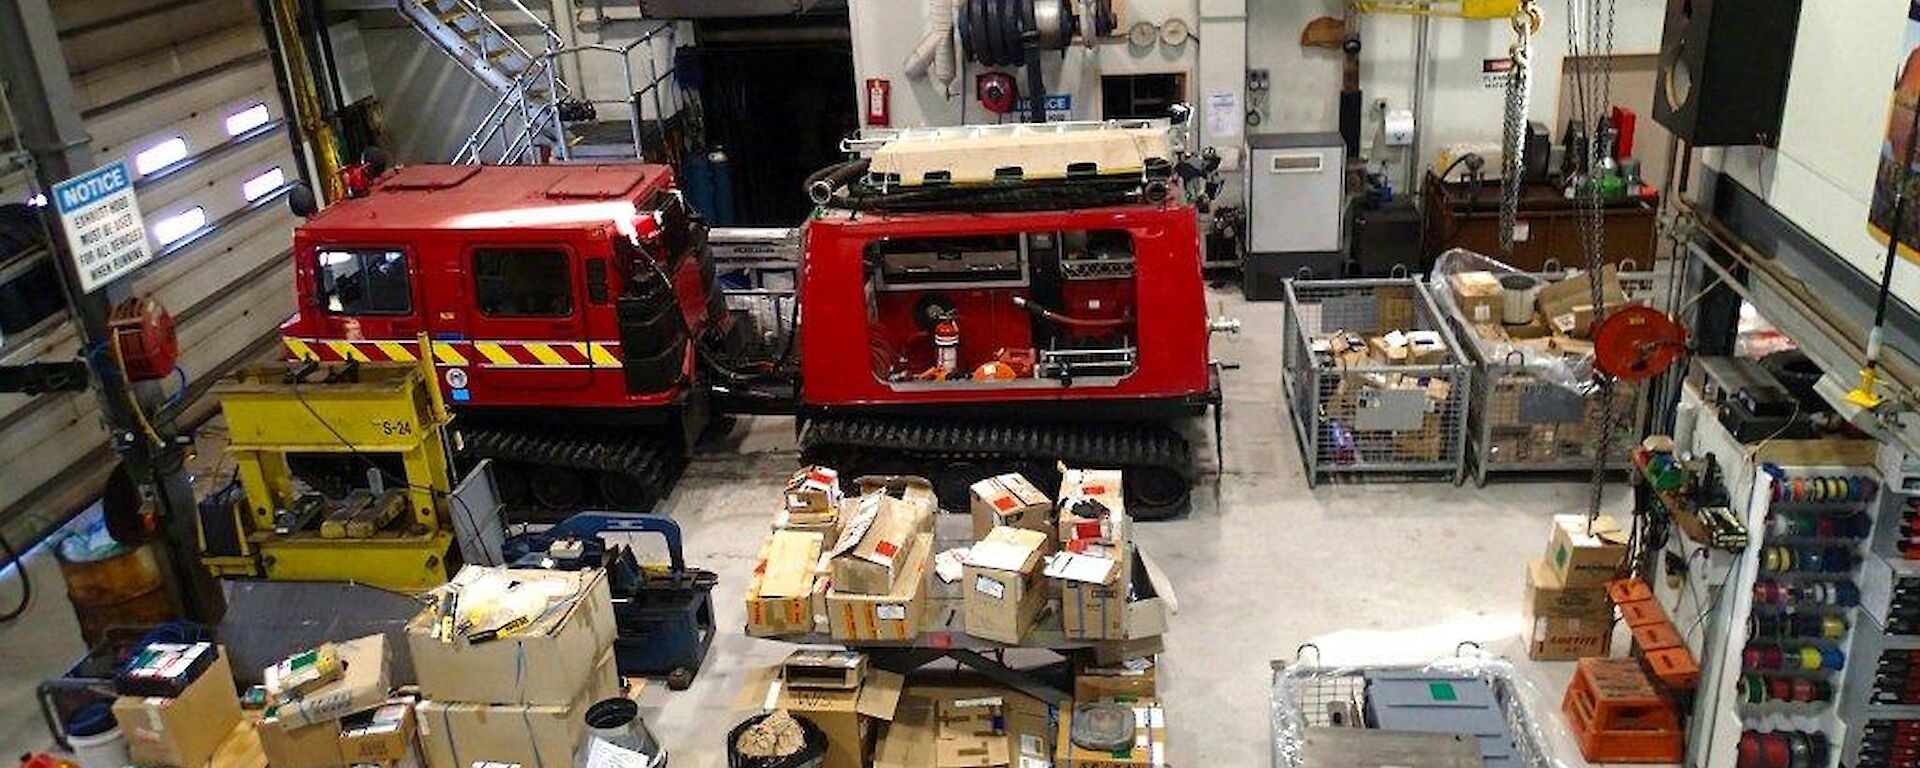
column 185, row 92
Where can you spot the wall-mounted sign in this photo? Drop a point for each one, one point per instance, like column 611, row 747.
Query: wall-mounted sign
column 105, row 233
column 1893, row 151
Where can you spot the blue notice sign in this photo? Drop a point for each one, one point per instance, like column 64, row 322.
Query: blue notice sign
column 101, row 218
column 1059, row 106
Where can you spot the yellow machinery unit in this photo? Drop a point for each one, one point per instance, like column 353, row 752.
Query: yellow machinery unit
column 396, row 534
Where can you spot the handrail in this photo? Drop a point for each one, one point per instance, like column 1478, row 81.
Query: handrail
column 541, row 116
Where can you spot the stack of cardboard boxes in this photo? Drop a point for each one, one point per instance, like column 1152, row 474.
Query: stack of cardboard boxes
column 864, row 577
column 1552, row 424
column 311, row 694
column 1360, row 398
column 177, row 704
column 1107, row 589
column 869, row 581
column 812, row 501
column 530, row 650
column 877, row 567
column 1567, row 612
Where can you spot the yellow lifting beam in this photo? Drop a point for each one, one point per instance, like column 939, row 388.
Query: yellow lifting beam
column 1462, row 9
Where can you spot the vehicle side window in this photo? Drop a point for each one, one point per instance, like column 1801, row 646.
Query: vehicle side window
column 522, row 282
column 364, row 281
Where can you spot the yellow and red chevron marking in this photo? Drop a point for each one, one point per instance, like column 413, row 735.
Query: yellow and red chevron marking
column 465, row 352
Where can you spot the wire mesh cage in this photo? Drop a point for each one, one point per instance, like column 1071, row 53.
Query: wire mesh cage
column 1524, row 418
column 1374, row 379
column 1308, row 694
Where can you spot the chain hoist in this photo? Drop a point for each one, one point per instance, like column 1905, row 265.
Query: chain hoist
column 1593, row 94
column 1526, row 21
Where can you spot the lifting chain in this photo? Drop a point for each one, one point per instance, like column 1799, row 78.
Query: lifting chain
column 1593, row 84
column 1526, row 21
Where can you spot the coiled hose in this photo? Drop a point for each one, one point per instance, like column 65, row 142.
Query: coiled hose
column 26, row 582
column 823, row 183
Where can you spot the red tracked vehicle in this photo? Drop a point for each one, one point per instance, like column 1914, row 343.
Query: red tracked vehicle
column 564, row 304
column 1025, row 319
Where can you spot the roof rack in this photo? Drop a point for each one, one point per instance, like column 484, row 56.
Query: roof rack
column 871, row 139
column 1017, row 153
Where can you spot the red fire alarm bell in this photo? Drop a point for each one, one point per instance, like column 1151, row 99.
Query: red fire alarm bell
column 997, row 92
column 878, row 91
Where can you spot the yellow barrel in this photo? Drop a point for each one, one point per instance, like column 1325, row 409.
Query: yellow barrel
column 125, row 589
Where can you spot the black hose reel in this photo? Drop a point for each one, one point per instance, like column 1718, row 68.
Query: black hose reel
column 1004, row 33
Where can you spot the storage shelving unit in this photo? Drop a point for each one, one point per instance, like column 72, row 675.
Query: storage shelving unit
column 1796, row 623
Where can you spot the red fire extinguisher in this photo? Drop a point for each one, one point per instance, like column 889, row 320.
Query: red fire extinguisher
column 879, row 112
column 946, row 344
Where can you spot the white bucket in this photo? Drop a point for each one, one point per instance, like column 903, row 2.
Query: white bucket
column 104, row 750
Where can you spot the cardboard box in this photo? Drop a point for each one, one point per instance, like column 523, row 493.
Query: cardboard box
column 1583, row 558
column 1133, row 607
column 1547, row 596
column 1003, row 589
column 1136, row 680
column 911, row 740
column 546, row 664
column 1426, row 348
column 306, row 746
column 1394, row 303
column 895, row 616
column 780, row 594
column 827, row 525
column 847, row 716
column 1568, row 304
column 1084, row 494
column 1010, row 500
column 917, row 739
column 457, row 735
column 1149, row 744
column 1551, row 638
column 812, row 490
column 184, row 730
column 970, row 734
column 913, row 491
column 831, row 669
column 1389, row 351
column 1478, row 295
column 1428, row 443
column 875, row 544
column 363, row 685
column 382, row 736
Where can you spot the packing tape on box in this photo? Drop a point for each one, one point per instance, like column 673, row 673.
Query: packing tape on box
column 526, row 718
column 446, row 732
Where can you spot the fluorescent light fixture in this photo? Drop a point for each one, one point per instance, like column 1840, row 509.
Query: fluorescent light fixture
column 172, row 228
column 160, row 155
column 248, row 119
column 264, row 184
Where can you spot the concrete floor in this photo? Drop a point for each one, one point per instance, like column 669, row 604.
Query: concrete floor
column 1369, row 573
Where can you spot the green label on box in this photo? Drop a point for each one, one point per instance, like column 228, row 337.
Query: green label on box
column 1442, row 692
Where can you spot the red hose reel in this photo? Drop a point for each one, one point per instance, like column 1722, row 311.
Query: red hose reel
column 1637, row 343
column 144, row 338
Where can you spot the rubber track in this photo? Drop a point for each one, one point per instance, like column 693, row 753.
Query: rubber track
column 650, row 460
column 1092, row 444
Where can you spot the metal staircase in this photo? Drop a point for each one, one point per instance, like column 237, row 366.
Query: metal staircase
column 524, row 122
column 529, row 122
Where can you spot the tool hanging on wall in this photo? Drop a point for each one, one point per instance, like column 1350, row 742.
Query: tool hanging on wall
column 1004, row 33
